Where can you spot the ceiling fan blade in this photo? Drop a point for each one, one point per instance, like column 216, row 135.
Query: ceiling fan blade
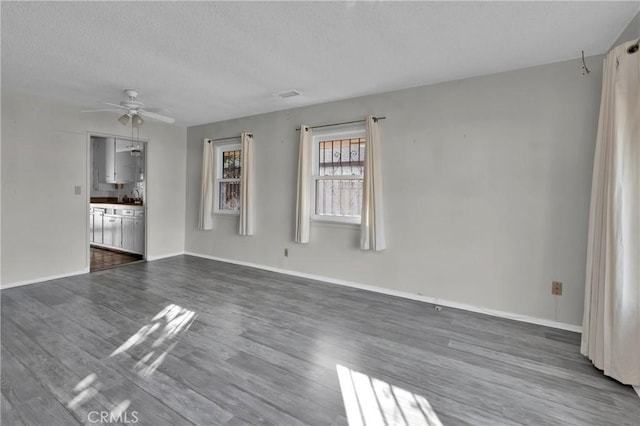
column 155, row 116
column 155, row 109
column 101, row 110
column 116, row 105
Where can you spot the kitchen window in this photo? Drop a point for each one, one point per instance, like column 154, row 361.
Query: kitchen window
column 227, row 187
column 337, row 176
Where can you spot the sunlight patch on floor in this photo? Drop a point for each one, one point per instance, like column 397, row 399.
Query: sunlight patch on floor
column 164, row 329
column 162, row 334
column 370, row 401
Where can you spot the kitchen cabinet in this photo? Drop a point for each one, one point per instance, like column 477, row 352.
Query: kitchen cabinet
column 112, row 231
column 132, row 230
column 128, row 234
column 138, row 231
column 107, row 231
column 112, row 161
column 117, row 228
column 98, row 162
column 125, row 167
column 91, row 239
column 95, row 225
column 98, row 225
column 104, row 159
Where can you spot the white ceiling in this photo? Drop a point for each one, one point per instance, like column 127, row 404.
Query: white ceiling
column 210, row 61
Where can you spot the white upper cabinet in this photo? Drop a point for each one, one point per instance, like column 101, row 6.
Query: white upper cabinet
column 112, row 161
column 125, row 167
column 125, row 162
column 104, row 159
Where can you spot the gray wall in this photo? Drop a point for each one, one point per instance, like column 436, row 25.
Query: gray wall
column 487, row 185
column 44, row 155
column 631, row 32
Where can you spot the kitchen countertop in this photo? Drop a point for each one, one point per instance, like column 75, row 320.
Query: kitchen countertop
column 118, row 206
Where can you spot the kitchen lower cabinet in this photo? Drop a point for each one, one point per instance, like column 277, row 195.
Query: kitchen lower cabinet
column 91, row 237
column 138, row 231
column 112, row 231
column 121, row 229
column 98, row 224
column 95, row 225
column 128, row 233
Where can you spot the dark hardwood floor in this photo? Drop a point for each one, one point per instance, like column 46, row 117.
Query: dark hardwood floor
column 186, row 341
column 105, row 259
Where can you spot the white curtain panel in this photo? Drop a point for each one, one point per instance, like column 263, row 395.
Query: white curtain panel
column 303, row 201
column 247, row 186
column 372, row 235
column 611, row 323
column 206, row 187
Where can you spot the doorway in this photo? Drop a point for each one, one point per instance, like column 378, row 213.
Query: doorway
column 117, row 201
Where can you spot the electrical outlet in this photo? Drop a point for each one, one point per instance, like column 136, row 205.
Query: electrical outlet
column 286, row 252
column 556, row 288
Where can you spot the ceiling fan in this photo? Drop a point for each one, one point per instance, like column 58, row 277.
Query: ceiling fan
column 135, row 110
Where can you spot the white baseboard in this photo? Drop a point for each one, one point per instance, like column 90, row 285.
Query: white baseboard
column 71, row 274
column 163, row 256
column 42, row 279
column 404, row 294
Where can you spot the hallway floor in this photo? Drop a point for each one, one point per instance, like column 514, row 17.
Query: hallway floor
column 104, row 259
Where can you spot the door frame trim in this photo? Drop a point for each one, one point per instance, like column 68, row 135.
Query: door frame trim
column 146, row 143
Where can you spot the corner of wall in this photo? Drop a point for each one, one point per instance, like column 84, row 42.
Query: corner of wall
column 630, row 32
column 186, row 189
column 1, row 138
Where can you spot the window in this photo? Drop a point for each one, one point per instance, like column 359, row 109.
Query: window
column 338, row 172
column 227, row 187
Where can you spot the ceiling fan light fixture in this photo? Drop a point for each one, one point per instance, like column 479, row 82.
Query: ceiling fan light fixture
column 135, row 110
column 137, row 120
column 124, row 120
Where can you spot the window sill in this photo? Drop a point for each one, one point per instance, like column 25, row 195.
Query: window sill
column 336, row 223
column 228, row 214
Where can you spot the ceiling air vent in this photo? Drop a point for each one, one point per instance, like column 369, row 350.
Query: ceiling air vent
column 288, row 94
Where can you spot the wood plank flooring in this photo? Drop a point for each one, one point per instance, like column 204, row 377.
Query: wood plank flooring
column 185, row 340
column 104, row 259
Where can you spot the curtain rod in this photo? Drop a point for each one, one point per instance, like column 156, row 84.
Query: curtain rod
column 229, row 138
column 344, row 122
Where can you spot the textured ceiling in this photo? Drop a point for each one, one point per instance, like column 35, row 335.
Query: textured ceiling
column 209, row 61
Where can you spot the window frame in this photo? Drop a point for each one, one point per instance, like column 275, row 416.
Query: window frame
column 331, row 135
column 220, row 148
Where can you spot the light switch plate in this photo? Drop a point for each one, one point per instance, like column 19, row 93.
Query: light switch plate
column 78, row 190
